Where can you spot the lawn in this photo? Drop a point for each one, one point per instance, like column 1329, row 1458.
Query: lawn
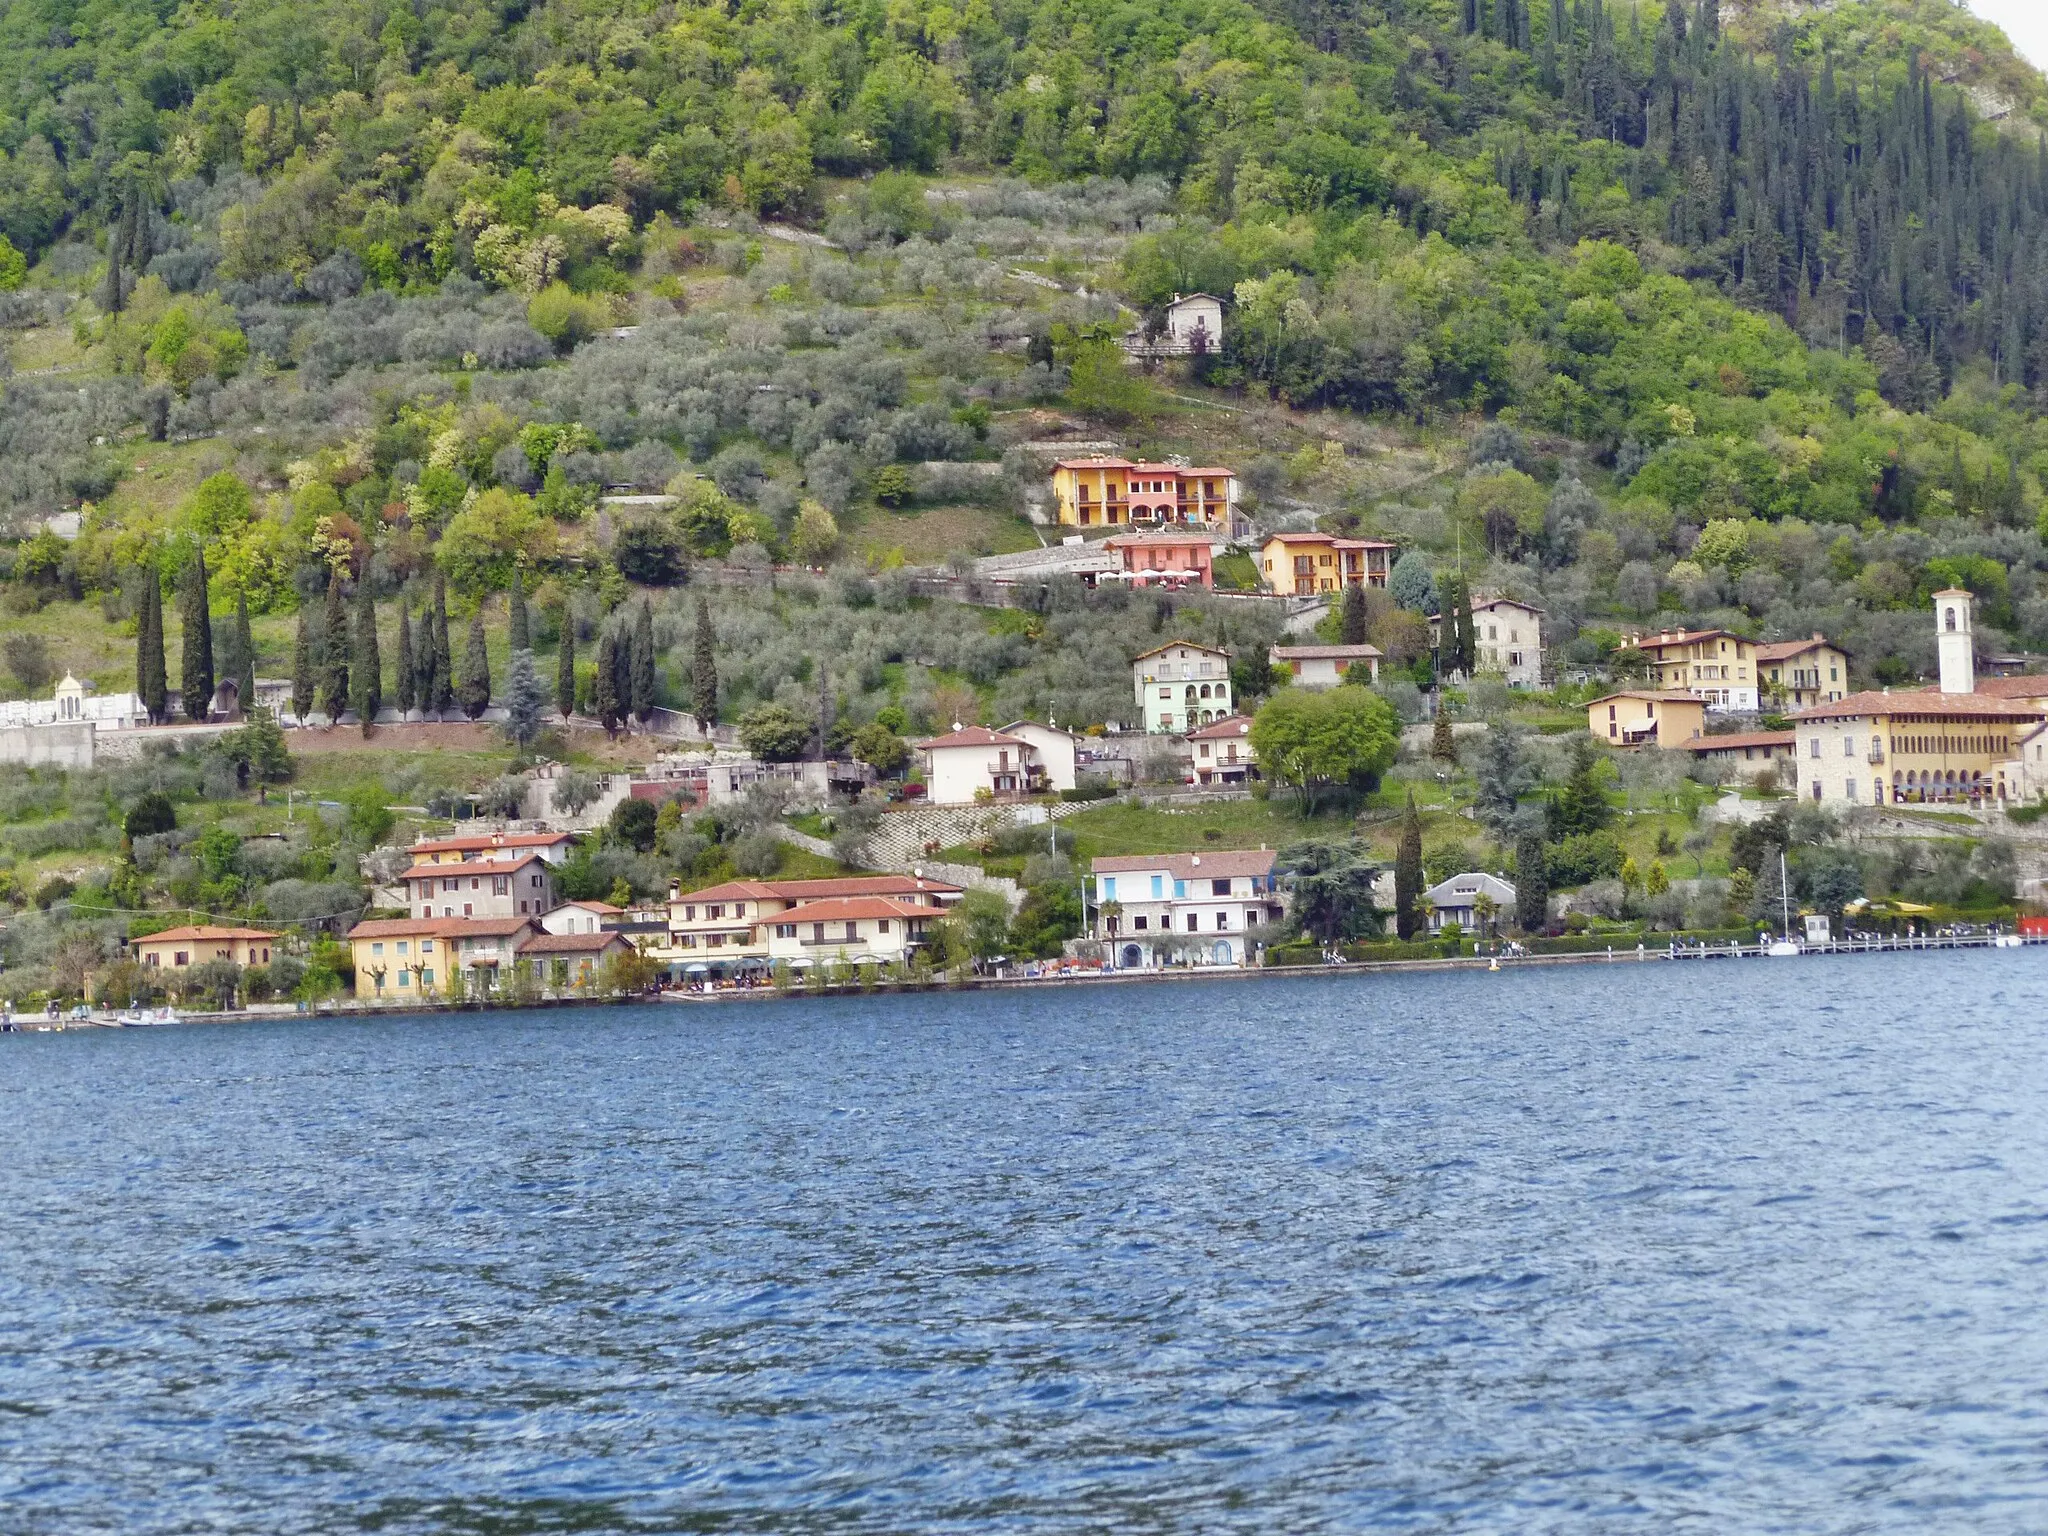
column 1120, row 828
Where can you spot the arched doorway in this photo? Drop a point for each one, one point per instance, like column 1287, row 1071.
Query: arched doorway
column 1134, row 957
column 1222, row 952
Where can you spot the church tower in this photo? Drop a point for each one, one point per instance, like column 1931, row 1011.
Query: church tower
column 1952, row 636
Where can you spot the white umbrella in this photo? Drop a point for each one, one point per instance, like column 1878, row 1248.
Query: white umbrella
column 699, row 969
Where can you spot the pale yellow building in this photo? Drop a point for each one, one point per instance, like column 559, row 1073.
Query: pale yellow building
column 1645, row 718
column 178, row 948
column 1717, row 666
column 1305, row 564
column 1793, row 674
column 411, row 957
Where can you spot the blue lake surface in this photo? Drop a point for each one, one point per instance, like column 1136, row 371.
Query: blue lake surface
column 1723, row 1247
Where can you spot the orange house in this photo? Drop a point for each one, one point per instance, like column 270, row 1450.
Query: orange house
column 1175, row 558
column 178, row 948
column 1113, row 493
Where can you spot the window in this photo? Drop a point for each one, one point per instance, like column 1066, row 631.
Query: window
column 1192, row 922
column 817, row 933
column 476, row 883
column 1848, row 746
column 499, row 886
column 1813, row 747
column 1109, row 887
column 785, row 930
column 882, row 925
column 151, row 958
column 405, row 978
column 852, row 932
column 468, row 909
column 1139, row 923
column 402, row 945
column 1180, row 890
column 1222, row 921
column 1219, row 887
column 427, row 978
column 376, row 949
column 181, row 958
column 1158, row 886
column 718, row 911
column 449, row 886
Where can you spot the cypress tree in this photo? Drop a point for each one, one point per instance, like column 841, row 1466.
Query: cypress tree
column 151, row 685
column 640, row 668
column 519, row 638
column 113, row 294
column 369, row 664
column 195, row 675
column 334, row 653
column 408, row 682
column 1352, row 618
column 302, row 670
column 1468, row 637
column 245, row 654
column 523, row 699
column 565, row 666
column 608, row 681
column 1408, row 874
column 441, row 696
column 704, row 672
column 1532, row 882
column 476, row 670
column 1443, row 746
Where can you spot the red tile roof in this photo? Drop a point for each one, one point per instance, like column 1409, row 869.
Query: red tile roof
column 574, row 943
column 2030, row 686
column 1227, row 727
column 493, row 840
column 1957, row 706
column 850, row 908
column 973, row 736
column 1785, row 650
column 203, row 931
column 1741, row 739
column 1173, row 540
column 1213, row 865
column 1193, row 645
column 1324, row 652
column 439, row 927
column 1665, row 696
column 475, row 868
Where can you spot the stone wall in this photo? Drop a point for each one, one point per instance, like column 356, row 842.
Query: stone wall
column 48, row 746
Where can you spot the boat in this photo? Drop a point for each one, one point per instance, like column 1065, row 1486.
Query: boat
column 1784, row 946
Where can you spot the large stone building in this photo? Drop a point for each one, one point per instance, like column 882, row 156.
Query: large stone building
column 1950, row 745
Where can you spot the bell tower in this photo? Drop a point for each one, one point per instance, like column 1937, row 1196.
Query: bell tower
column 1953, row 639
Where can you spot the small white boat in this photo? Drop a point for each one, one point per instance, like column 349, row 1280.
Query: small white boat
column 2008, row 941
column 1781, row 948
column 1785, row 945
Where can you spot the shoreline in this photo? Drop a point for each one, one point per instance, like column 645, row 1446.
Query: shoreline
column 42, row 1024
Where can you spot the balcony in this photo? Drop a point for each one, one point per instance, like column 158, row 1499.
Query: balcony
column 1875, row 754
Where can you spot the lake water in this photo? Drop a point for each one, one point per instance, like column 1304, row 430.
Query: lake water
column 1716, row 1248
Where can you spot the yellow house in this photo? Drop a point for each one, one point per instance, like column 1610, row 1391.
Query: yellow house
column 1716, row 665
column 1645, row 718
column 1301, row 564
column 1794, row 674
column 1115, row 493
column 413, row 957
column 177, row 948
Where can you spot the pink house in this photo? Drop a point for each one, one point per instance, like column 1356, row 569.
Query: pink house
column 1173, row 559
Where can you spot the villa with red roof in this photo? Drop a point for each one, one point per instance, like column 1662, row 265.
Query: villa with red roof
column 522, row 884
column 973, row 763
column 1104, row 492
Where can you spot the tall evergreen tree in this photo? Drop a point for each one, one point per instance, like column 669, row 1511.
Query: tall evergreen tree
column 369, row 662
column 334, row 648
column 640, row 672
column 245, row 653
column 303, row 674
column 1352, row 618
column 1532, row 882
column 565, row 666
column 475, row 691
column 524, row 698
column 195, row 674
column 441, row 695
column 151, row 683
column 607, row 701
column 704, row 672
column 1408, row 873
column 408, row 680
column 518, row 637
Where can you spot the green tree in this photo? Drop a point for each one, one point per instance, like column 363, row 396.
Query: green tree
column 641, row 668
column 774, row 734
column 408, row 664
column 195, row 675
column 1580, row 805
column 476, row 670
column 704, row 671
column 565, row 667
column 1408, row 874
column 151, row 685
column 1100, row 384
column 1504, row 774
column 368, row 819
column 891, row 486
column 1319, row 742
column 1354, row 619
column 439, row 696
column 368, row 672
column 524, row 698
column 261, row 746
column 302, row 670
column 1332, row 889
column 881, row 748
column 632, row 824
column 245, row 654
column 1532, row 882
column 518, row 635
column 151, row 815
column 1443, row 742
column 610, row 708
column 985, row 918
column 334, row 648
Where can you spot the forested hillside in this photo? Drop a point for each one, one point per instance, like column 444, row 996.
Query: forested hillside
column 1751, row 302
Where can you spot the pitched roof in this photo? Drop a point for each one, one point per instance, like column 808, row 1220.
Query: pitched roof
column 2032, row 685
column 1037, row 725
column 1741, row 739
column 1193, row 645
column 1096, row 462
column 573, row 943
column 1189, row 298
column 843, row 908
column 604, row 907
column 1684, row 637
column 860, row 885
column 1324, row 652
column 203, row 931
column 731, row 890
column 1228, row 726
column 438, row 927
column 475, row 868
column 1471, row 883
column 973, row 736
column 1161, row 540
column 1335, row 540
column 1958, row 706
column 1654, row 695
column 1785, row 650
column 493, row 840
column 1214, row 865
column 1500, row 600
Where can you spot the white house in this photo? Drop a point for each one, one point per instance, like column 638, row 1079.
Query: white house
column 1457, row 901
column 515, row 887
column 973, row 762
column 855, row 929
column 1058, row 750
column 1193, row 323
column 1325, row 666
column 1509, row 637
column 1180, row 686
column 583, row 917
column 1222, row 753
column 1152, row 908
column 75, row 702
